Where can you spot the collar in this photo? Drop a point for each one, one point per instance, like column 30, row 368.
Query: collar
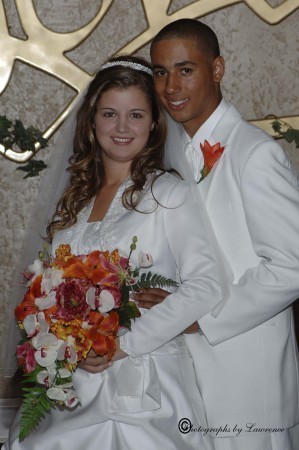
column 207, row 128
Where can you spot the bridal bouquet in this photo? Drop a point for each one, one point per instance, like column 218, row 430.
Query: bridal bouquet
column 73, row 303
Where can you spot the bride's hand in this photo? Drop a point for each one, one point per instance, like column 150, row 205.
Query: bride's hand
column 148, row 298
column 96, row 364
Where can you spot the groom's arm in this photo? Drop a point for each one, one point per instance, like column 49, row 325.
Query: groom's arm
column 270, row 196
column 190, row 241
column 151, row 297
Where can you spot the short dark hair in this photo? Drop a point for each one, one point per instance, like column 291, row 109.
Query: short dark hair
column 191, row 29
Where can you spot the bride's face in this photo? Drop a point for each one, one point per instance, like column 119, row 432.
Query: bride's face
column 123, row 122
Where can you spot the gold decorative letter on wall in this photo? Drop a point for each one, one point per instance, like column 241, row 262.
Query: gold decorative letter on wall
column 45, row 49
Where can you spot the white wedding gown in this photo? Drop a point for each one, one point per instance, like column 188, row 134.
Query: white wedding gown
column 139, row 401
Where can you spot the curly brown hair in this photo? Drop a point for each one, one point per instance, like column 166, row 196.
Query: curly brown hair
column 86, row 166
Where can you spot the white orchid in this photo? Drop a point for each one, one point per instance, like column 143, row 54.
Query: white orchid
column 46, row 302
column 67, row 351
column 52, row 278
column 145, row 260
column 45, row 343
column 71, row 399
column 61, row 392
column 35, row 323
column 103, row 303
column 47, row 376
column 37, row 269
column 47, row 346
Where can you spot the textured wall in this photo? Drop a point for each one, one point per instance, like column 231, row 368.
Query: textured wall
column 261, row 79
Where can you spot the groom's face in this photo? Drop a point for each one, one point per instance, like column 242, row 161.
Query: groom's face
column 186, row 81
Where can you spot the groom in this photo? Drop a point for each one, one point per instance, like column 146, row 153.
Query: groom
column 245, row 355
column 244, row 350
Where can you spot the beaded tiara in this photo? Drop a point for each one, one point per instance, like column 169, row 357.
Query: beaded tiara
column 130, row 64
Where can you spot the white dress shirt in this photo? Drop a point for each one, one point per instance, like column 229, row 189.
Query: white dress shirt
column 192, row 148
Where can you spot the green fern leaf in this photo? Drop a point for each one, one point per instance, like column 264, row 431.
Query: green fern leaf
column 35, row 405
column 150, row 280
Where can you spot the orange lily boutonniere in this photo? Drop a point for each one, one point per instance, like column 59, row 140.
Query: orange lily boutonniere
column 211, row 154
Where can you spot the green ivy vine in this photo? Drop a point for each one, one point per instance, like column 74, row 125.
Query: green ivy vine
column 13, row 133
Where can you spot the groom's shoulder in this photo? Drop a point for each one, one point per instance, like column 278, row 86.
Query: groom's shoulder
column 247, row 132
column 246, row 138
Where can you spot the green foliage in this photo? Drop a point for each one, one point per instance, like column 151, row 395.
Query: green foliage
column 5, row 127
column 286, row 132
column 33, row 168
column 126, row 313
column 149, row 280
column 129, row 310
column 13, row 133
column 35, row 405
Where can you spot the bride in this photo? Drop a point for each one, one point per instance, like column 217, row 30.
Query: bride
column 118, row 189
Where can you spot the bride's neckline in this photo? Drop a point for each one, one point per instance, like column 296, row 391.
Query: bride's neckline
column 114, row 199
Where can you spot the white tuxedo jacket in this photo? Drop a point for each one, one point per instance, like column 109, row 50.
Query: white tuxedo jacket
column 247, row 360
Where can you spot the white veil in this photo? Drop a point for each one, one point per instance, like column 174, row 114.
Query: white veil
column 52, row 186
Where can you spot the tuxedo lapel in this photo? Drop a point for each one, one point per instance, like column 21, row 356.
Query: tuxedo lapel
column 222, row 133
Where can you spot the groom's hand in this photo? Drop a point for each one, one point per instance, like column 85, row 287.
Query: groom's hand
column 147, row 298
column 96, row 364
column 194, row 328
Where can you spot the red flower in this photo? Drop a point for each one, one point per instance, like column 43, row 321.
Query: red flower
column 71, row 301
column 102, row 332
column 94, row 267
column 28, row 304
column 211, row 154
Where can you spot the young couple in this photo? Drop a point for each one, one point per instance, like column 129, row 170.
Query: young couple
column 232, row 311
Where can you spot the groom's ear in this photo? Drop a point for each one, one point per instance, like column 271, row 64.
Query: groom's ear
column 218, row 69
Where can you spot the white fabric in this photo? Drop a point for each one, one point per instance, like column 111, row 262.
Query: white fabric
column 139, row 401
column 247, row 360
column 260, row 441
column 192, row 147
column 194, row 158
column 207, row 128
